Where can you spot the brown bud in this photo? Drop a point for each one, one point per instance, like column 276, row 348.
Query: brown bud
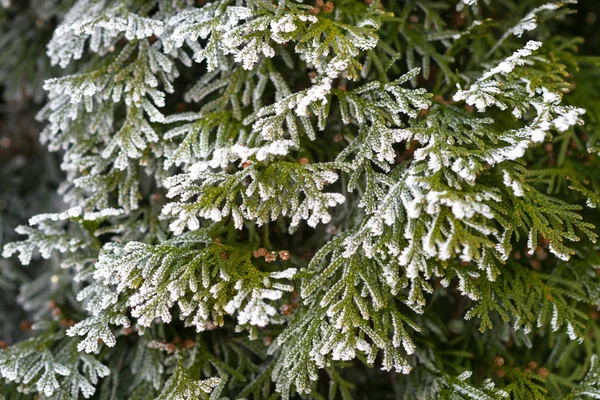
column 246, row 164
column 328, row 7
column 500, row 373
column 209, row 325
column 171, row 348
column 573, row 144
column 189, row 343
column 499, row 361
column 338, row 138
column 532, row 364
column 67, row 322
column 3, row 344
column 527, row 370
column 284, row 255
column 224, row 256
column 313, row 75
column 156, row 196
column 267, row 340
column 25, row 326
column 541, row 254
column 270, row 257
column 315, row 10
column 127, row 331
column 261, row 252
column 286, row 309
column 180, row 106
column 543, row 372
column 304, row 161
column 52, row 304
column 458, row 19
column 319, row 3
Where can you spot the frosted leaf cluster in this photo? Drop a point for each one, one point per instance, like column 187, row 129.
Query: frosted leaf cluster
column 286, row 189
column 181, row 387
column 53, row 373
column 205, row 284
column 222, row 156
column 102, row 24
column 433, row 198
column 346, row 323
column 511, row 182
column 234, row 30
column 47, row 234
column 530, row 21
column 483, row 93
column 486, row 92
column 213, row 20
column 96, row 330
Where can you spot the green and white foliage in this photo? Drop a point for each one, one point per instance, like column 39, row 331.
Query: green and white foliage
column 52, row 366
column 181, row 387
column 258, row 194
column 206, row 283
column 281, row 188
column 590, row 386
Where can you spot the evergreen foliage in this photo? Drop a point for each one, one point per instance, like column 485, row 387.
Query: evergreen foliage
column 287, row 199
